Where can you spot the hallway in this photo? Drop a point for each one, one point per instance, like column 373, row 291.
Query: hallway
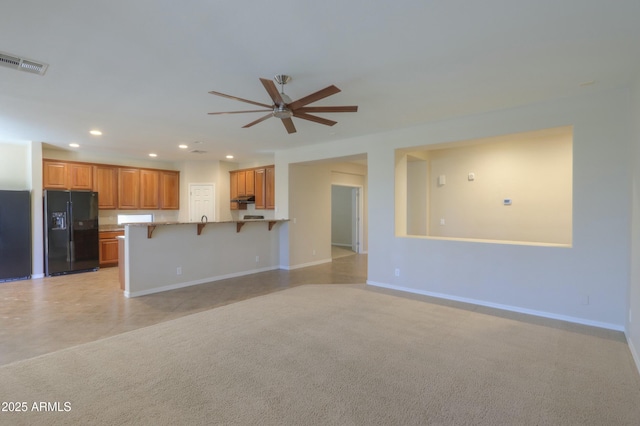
column 48, row 314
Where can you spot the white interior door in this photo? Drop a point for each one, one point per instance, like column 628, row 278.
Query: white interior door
column 202, row 202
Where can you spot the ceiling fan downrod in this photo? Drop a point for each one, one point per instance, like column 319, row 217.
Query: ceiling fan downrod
column 283, row 79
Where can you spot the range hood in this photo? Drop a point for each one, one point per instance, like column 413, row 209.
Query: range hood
column 249, row 199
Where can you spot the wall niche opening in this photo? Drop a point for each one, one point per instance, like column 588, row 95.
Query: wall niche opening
column 515, row 188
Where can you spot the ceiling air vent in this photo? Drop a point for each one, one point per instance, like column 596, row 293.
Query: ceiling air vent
column 22, row 64
column 197, row 151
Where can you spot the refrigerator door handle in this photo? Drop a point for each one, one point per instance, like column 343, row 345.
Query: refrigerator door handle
column 71, row 250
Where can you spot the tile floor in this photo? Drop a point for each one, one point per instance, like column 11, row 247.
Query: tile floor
column 44, row 315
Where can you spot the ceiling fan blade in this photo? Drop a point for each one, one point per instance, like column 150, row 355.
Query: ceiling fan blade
column 272, row 90
column 259, row 120
column 238, row 112
column 313, row 118
column 240, row 99
column 316, row 96
column 352, row 108
column 288, row 124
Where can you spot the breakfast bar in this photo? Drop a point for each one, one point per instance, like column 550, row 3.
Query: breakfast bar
column 162, row 256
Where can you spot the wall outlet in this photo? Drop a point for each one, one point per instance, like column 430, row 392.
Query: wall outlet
column 257, row 258
column 441, row 221
column 313, row 252
column 179, row 270
column 397, row 272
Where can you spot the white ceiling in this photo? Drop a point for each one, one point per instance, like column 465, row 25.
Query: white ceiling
column 141, row 70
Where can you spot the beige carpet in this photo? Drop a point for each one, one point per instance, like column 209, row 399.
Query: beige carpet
column 335, row 355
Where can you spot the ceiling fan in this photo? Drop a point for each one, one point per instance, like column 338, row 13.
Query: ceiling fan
column 284, row 108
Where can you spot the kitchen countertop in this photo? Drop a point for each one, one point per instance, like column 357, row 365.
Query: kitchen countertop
column 206, row 223
column 151, row 226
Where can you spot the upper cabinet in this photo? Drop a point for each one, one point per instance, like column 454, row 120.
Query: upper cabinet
column 169, row 190
column 126, row 188
column 249, row 182
column 243, row 182
column 62, row 175
column 105, row 183
column 258, row 182
column 270, row 188
column 149, row 189
column 54, row 174
column 80, row 176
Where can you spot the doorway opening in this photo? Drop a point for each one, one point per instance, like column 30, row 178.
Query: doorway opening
column 346, row 221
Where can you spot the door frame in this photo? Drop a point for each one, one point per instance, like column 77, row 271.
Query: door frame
column 356, row 216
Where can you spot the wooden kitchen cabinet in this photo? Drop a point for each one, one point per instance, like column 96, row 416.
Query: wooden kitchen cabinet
column 109, row 248
column 234, row 178
column 117, row 187
column 54, row 175
column 105, row 183
column 242, row 183
column 169, row 190
column 270, row 188
column 128, row 188
column 249, row 182
column 149, row 189
column 259, row 188
column 67, row 175
column 259, row 182
column 80, row 176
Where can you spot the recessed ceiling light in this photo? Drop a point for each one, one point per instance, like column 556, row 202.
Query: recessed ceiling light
column 96, row 132
column 229, row 157
column 153, row 155
column 74, row 145
column 183, row 146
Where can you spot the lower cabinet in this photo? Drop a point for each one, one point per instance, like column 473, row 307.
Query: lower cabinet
column 109, row 248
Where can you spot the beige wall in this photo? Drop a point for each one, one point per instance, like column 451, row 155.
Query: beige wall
column 15, row 166
column 533, row 169
column 633, row 304
column 309, row 214
column 537, row 279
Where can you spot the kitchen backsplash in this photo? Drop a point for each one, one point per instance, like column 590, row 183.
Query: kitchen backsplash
column 110, row 217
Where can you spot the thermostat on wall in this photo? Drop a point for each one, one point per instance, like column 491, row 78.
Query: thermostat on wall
column 506, row 201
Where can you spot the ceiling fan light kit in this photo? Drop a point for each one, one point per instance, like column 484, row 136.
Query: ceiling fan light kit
column 283, row 108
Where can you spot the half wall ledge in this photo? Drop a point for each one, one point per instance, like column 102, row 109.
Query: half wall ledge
column 151, row 227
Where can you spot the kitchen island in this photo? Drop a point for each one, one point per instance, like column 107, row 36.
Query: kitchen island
column 162, row 256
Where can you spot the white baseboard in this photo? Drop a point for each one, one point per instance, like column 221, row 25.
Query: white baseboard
column 36, row 276
column 196, row 282
column 341, row 245
column 304, row 265
column 542, row 314
column 634, row 352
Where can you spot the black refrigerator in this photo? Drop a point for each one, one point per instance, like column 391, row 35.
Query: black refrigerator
column 71, row 232
column 15, row 235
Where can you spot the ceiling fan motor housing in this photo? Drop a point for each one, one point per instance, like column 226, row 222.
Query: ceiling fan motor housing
column 281, row 111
